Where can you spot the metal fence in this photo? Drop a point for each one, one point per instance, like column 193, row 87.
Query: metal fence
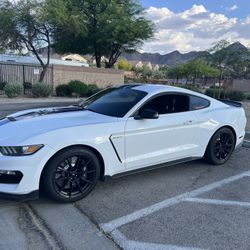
column 20, row 73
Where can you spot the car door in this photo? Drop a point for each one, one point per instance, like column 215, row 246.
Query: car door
column 168, row 138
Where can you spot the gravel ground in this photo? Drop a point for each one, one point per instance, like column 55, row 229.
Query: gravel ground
column 246, row 106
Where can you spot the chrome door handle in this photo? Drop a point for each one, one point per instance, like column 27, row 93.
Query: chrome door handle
column 187, row 122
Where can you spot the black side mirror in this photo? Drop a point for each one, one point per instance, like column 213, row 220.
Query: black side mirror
column 147, row 114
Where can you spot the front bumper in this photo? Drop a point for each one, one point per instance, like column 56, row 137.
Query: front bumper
column 31, row 168
column 20, row 197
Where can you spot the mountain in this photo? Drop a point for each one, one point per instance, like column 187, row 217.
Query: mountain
column 174, row 58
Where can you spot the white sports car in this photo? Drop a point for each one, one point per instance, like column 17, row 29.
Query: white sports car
column 118, row 131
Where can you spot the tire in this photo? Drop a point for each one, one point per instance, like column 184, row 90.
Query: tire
column 220, row 147
column 71, row 174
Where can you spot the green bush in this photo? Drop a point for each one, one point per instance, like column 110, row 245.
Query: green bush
column 92, row 89
column 2, row 85
column 236, row 95
column 41, row 90
column 78, row 88
column 63, row 90
column 214, row 87
column 13, row 90
column 233, row 95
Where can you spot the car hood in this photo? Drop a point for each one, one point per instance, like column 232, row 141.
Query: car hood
column 25, row 124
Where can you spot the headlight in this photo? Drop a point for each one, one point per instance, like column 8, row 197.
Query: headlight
column 20, row 150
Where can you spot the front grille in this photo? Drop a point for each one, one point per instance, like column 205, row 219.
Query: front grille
column 10, row 177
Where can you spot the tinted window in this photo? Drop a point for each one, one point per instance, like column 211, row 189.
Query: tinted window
column 171, row 103
column 114, row 101
column 197, row 103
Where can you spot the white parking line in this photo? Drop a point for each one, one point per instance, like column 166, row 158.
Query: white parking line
column 219, row 202
column 114, row 224
column 136, row 245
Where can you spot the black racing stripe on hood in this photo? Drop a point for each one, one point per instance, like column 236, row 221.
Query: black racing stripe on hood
column 43, row 112
column 4, row 121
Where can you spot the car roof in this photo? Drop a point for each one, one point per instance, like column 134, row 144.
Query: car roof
column 157, row 88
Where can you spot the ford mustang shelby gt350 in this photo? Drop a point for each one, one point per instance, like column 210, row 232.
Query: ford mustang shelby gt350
column 117, row 131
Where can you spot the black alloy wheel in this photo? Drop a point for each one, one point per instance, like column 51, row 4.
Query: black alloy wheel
column 71, row 174
column 221, row 146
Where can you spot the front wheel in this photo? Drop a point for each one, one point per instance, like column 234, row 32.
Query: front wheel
column 220, row 147
column 71, row 174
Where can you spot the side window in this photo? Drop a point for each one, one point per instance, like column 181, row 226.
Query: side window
column 197, row 103
column 169, row 103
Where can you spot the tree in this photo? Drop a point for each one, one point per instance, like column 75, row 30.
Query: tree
column 177, row 72
column 193, row 69
column 24, row 27
column 199, row 69
column 124, row 65
column 231, row 60
column 99, row 27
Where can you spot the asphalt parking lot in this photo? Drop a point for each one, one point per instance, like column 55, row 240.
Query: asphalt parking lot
column 187, row 206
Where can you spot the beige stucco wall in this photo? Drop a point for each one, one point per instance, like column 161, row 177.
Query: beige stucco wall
column 101, row 77
column 242, row 85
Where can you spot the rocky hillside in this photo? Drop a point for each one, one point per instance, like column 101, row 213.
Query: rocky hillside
column 174, row 58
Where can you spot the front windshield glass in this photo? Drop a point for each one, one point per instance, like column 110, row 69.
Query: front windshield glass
column 114, row 101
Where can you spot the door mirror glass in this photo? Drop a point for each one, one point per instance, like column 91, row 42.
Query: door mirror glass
column 147, row 114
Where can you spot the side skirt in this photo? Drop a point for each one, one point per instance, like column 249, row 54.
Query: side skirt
column 149, row 168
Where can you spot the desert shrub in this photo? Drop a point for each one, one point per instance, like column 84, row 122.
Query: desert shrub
column 2, row 85
column 236, row 95
column 191, row 87
column 63, row 90
column 41, row 89
column 13, row 90
column 186, row 86
column 78, row 88
column 124, row 65
column 214, row 92
column 92, row 89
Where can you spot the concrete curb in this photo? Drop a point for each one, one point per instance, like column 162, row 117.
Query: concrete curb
column 247, row 136
column 246, row 142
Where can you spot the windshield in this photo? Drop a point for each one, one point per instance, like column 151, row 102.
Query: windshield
column 114, row 101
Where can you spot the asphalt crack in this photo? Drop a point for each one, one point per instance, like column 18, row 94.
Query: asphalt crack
column 200, row 176
column 37, row 233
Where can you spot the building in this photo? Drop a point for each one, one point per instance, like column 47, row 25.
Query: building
column 33, row 60
column 140, row 64
column 74, row 58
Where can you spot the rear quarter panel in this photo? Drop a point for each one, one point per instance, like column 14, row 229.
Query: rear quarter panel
column 218, row 115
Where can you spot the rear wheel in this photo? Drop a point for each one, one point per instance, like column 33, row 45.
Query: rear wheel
column 220, row 147
column 71, row 174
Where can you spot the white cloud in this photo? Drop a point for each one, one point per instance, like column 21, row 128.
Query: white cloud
column 193, row 29
column 232, row 8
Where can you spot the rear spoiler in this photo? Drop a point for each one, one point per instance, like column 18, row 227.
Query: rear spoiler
column 231, row 103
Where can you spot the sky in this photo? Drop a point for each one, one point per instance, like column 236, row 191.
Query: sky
column 187, row 25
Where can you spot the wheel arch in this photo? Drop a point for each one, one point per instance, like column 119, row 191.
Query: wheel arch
column 225, row 126
column 95, row 151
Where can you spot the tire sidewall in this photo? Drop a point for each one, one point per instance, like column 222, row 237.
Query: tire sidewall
column 48, row 175
column 210, row 156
